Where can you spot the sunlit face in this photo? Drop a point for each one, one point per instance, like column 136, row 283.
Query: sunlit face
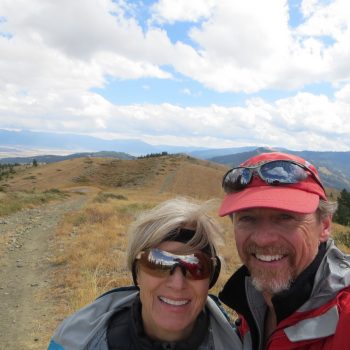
column 276, row 246
column 170, row 304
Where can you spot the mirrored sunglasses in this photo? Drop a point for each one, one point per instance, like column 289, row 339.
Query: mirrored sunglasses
column 160, row 263
column 274, row 173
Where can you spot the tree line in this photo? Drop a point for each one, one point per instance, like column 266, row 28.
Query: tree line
column 151, row 155
column 342, row 215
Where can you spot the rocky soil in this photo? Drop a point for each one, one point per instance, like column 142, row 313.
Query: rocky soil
column 26, row 237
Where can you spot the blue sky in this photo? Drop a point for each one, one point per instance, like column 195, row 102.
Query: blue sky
column 213, row 73
column 181, row 89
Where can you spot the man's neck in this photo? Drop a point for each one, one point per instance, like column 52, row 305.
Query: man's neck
column 270, row 323
column 270, row 318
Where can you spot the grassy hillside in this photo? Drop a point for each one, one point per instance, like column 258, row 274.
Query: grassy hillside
column 88, row 256
column 89, row 252
column 175, row 174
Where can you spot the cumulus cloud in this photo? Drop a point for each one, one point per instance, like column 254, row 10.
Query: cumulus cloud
column 54, row 53
column 169, row 11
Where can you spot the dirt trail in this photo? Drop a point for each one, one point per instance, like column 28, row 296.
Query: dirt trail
column 25, row 306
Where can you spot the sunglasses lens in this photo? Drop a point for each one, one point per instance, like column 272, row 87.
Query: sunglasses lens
column 198, row 266
column 236, row 179
column 160, row 263
column 273, row 173
column 282, row 172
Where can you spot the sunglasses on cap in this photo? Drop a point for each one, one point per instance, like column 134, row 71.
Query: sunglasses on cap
column 274, row 173
column 160, row 263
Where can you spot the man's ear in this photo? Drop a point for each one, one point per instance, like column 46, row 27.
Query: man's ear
column 326, row 228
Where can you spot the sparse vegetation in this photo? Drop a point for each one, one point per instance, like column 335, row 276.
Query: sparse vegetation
column 14, row 201
column 31, row 177
column 105, row 196
column 7, row 170
column 81, row 179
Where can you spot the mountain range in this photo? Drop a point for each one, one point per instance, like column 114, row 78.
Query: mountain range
column 24, row 146
column 24, row 140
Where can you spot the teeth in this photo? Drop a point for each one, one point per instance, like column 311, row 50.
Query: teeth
column 268, row 258
column 174, row 302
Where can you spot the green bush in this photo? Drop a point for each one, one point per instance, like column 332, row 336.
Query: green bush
column 105, row 196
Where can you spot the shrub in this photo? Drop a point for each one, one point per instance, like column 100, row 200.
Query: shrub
column 105, row 196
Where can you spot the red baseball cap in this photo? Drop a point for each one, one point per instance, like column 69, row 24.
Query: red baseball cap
column 302, row 197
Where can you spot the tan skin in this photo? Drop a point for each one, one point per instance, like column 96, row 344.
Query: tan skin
column 171, row 304
column 277, row 246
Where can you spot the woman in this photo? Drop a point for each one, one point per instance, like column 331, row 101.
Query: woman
column 172, row 258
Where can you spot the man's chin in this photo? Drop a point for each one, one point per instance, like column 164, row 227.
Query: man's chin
column 271, row 281
column 271, row 285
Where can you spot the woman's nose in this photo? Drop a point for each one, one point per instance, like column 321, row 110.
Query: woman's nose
column 177, row 278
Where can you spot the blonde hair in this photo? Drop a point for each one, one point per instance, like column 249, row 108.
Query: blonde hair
column 153, row 227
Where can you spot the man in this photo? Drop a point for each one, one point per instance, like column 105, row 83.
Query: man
column 292, row 291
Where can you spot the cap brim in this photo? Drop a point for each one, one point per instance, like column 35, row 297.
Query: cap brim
column 282, row 198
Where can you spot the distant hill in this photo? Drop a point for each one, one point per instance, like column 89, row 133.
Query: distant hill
column 54, row 158
column 334, row 167
column 176, row 174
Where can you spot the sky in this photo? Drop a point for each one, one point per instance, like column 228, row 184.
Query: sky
column 205, row 73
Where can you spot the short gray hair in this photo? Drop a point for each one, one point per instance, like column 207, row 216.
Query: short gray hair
column 326, row 208
column 152, row 227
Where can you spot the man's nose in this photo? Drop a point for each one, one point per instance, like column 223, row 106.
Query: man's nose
column 265, row 233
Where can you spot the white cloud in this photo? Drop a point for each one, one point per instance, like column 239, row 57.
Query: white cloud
column 242, row 46
column 181, row 10
column 305, row 121
column 60, row 50
column 344, row 94
column 53, row 41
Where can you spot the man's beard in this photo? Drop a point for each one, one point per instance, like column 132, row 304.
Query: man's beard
column 270, row 282
column 267, row 280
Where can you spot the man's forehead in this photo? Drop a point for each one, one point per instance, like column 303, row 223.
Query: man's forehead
column 267, row 211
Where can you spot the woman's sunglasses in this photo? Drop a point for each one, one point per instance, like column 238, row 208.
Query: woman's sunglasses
column 275, row 172
column 160, row 263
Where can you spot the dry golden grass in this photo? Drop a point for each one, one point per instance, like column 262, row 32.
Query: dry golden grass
column 341, row 235
column 91, row 250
